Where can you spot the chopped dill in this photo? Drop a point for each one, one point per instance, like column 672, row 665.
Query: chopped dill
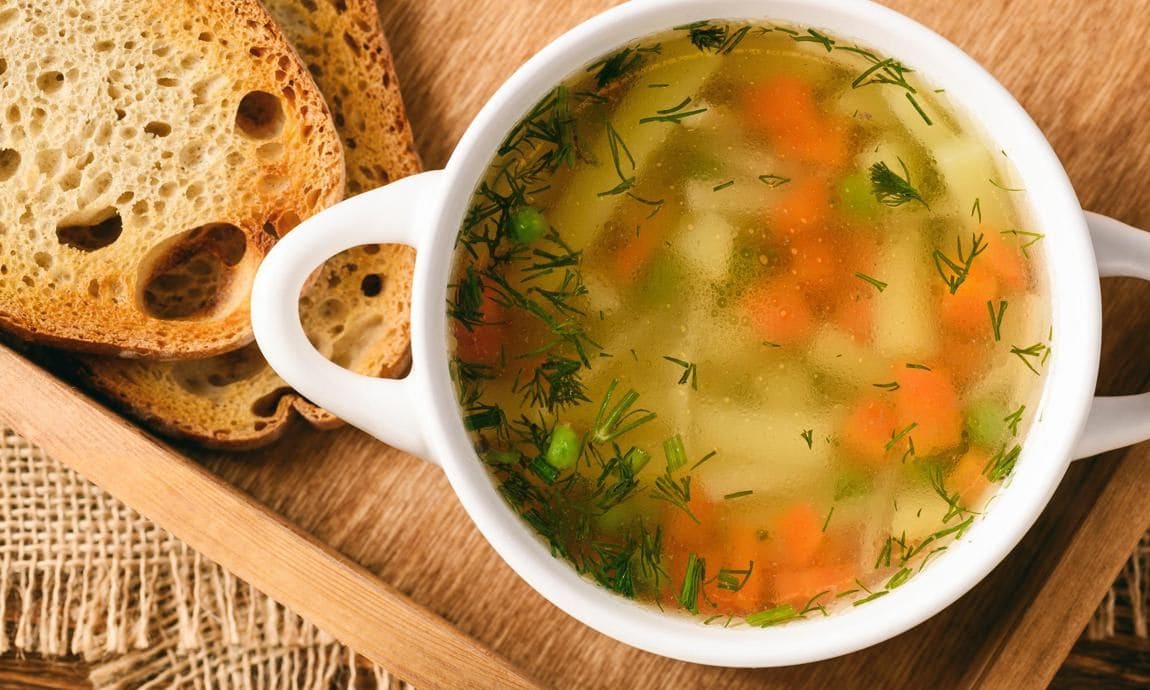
column 878, row 284
column 1029, row 355
column 705, row 458
column 726, row 185
column 895, row 437
column 953, row 500
column 955, row 271
column 899, row 579
column 1002, row 464
column 613, row 422
column 996, row 318
column 827, row 522
column 809, row 437
column 1026, row 239
column 1004, row 187
column 467, row 308
column 621, row 64
column 738, row 494
column 892, row 386
column 690, row 372
column 556, row 384
column 484, row 417
column 658, row 86
column 692, row 583
column 976, row 209
column 619, row 150
column 1014, row 419
column 774, row 181
column 775, row 616
column 674, row 115
column 813, row 36
column 734, row 580
column 771, row 345
column 872, row 597
column 891, row 189
column 922, row 367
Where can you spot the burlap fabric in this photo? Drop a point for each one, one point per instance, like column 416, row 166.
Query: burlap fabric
column 81, row 574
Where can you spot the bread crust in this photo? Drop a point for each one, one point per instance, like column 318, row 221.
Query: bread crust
column 167, row 122
column 357, row 310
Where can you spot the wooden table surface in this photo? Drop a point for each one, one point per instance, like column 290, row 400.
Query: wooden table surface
column 1080, row 69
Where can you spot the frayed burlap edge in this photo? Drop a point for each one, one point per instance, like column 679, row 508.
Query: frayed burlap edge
column 1124, row 609
column 83, row 575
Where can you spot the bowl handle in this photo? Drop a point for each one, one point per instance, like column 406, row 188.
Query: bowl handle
column 1121, row 421
column 389, row 215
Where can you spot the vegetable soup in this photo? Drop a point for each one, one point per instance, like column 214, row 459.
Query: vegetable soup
column 748, row 321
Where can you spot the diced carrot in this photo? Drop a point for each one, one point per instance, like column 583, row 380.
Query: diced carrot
column 813, row 261
column 1005, row 257
column 965, row 311
column 798, row 586
column 779, row 312
column 743, row 546
column 480, row 343
column 803, row 206
column 868, row 429
column 967, row 477
column 785, row 108
column 796, row 535
column 641, row 239
column 928, row 399
column 854, row 313
column 967, row 358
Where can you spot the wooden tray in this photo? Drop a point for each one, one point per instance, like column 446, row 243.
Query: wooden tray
column 372, row 545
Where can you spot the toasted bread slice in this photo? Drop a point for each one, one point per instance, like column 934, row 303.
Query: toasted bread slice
column 150, row 154
column 357, row 310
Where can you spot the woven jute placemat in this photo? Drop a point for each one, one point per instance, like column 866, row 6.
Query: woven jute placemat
column 83, row 575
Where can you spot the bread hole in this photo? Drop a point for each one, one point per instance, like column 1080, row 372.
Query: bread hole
column 125, row 198
column 50, row 82
column 267, row 405
column 371, row 285
column 351, row 43
column 259, row 426
column 350, row 141
column 168, row 81
column 332, row 309
column 339, row 5
column 27, row 280
column 158, row 129
column 189, row 276
column 270, row 229
column 256, row 51
column 271, row 152
column 7, row 16
column 43, row 260
column 371, row 249
column 140, row 208
column 91, row 232
column 350, row 343
column 9, row 163
column 48, row 161
column 70, row 180
column 12, row 114
column 120, row 114
column 3, row 65
column 162, row 51
column 167, row 190
column 194, row 191
column 235, row 159
column 260, row 115
column 192, row 155
column 309, row 5
column 289, row 94
column 205, row 36
column 273, row 184
column 207, row 377
column 104, row 46
column 94, row 288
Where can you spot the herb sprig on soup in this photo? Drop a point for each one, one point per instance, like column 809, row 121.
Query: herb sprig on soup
column 748, row 322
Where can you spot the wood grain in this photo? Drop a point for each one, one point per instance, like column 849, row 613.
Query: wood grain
column 1080, row 70
column 248, row 539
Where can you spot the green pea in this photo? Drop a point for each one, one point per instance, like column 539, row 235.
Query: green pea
column 528, row 224
column 857, row 197
column 986, row 423
column 563, row 450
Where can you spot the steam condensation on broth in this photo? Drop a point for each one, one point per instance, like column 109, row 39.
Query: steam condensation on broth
column 748, row 322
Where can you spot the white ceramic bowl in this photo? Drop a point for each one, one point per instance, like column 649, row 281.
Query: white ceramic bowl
column 419, row 414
